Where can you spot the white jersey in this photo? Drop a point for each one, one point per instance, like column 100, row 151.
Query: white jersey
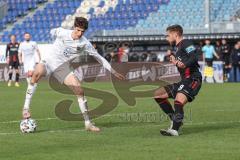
column 65, row 48
column 28, row 49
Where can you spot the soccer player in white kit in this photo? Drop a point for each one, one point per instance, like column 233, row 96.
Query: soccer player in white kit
column 26, row 54
column 65, row 47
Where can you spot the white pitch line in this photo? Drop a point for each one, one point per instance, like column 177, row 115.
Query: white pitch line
column 47, row 119
column 214, row 122
column 11, row 133
column 124, row 114
column 228, row 110
column 81, row 130
column 18, row 121
column 107, row 115
column 50, row 131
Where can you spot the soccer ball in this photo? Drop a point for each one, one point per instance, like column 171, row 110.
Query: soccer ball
column 28, row 125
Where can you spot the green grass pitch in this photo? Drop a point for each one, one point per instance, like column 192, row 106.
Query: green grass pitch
column 211, row 129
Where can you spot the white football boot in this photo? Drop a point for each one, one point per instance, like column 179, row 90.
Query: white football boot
column 91, row 127
column 169, row 132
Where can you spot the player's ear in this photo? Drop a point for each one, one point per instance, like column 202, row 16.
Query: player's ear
column 175, row 34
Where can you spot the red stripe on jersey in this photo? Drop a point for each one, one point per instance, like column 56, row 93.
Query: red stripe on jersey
column 14, row 58
column 187, row 73
column 194, row 84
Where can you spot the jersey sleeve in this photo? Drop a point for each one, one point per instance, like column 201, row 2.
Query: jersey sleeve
column 56, row 32
column 191, row 53
column 20, row 48
column 35, row 46
column 93, row 52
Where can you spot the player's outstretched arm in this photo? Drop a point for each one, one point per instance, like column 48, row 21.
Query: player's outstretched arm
column 93, row 52
column 57, row 32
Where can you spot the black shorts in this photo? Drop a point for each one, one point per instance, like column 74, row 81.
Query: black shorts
column 209, row 62
column 14, row 65
column 189, row 87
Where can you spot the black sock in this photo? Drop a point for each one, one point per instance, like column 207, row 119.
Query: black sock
column 165, row 106
column 17, row 77
column 10, row 76
column 178, row 115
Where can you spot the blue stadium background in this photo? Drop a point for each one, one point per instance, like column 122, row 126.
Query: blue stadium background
column 113, row 16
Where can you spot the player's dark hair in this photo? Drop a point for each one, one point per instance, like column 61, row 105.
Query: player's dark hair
column 81, row 22
column 12, row 35
column 27, row 33
column 176, row 28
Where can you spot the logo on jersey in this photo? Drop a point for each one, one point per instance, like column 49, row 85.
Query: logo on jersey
column 190, row 49
column 69, row 51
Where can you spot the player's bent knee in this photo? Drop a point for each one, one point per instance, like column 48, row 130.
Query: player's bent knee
column 29, row 73
column 160, row 93
column 36, row 76
column 72, row 82
column 79, row 92
column 182, row 98
column 77, row 89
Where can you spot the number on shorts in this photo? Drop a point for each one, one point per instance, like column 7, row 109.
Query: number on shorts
column 180, row 87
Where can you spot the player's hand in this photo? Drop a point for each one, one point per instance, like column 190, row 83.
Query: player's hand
column 180, row 64
column 119, row 76
column 173, row 60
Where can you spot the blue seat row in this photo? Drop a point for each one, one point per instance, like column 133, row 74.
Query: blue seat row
column 18, row 8
column 128, row 14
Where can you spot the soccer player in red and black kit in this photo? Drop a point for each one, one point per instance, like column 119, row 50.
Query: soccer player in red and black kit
column 12, row 59
column 184, row 91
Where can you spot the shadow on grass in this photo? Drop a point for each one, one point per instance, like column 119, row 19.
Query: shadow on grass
column 126, row 124
column 205, row 128
column 186, row 130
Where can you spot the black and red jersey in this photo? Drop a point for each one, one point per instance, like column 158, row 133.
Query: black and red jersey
column 12, row 51
column 187, row 54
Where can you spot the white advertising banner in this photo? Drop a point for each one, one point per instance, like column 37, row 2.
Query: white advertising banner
column 44, row 49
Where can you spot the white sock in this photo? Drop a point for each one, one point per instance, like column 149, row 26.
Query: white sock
column 29, row 93
column 28, row 80
column 84, row 109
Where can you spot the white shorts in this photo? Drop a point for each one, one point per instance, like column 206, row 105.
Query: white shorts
column 29, row 66
column 60, row 72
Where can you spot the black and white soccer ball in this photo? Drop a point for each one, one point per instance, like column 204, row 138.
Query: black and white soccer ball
column 28, row 125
